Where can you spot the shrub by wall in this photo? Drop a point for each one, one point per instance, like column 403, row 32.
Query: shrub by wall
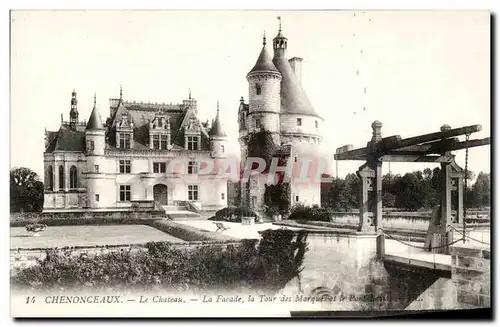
column 233, row 214
column 269, row 266
column 314, row 213
column 188, row 233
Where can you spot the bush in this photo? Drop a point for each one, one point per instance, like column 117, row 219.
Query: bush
column 233, row 214
column 189, row 233
column 269, row 266
column 314, row 213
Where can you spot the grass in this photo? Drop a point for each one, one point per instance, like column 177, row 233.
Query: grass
column 90, row 235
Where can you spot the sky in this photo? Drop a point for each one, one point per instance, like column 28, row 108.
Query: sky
column 420, row 70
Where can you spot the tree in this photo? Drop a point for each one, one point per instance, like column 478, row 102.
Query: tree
column 277, row 197
column 261, row 145
column 339, row 197
column 482, row 190
column 26, row 190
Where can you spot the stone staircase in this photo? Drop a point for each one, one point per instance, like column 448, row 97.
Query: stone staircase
column 179, row 212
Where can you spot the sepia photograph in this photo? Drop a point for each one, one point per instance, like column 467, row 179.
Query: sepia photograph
column 250, row 163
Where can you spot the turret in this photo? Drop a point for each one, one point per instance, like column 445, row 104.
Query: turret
column 94, row 133
column 264, row 94
column 280, row 43
column 218, row 138
column 95, row 142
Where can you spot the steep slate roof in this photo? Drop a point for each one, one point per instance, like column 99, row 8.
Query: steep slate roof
column 293, row 98
column 95, row 121
column 142, row 113
column 264, row 62
column 66, row 140
column 217, row 129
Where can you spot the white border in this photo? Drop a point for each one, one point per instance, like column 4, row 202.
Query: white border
column 186, row 4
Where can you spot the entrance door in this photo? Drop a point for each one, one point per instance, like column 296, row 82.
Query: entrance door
column 160, row 192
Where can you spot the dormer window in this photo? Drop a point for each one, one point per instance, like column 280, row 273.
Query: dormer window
column 125, row 141
column 258, row 89
column 192, row 142
column 163, row 142
column 156, row 142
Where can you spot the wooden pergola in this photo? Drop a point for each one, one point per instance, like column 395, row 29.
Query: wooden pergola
column 434, row 147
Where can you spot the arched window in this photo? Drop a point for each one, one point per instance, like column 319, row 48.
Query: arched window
column 72, row 177
column 258, row 89
column 50, row 178
column 61, row 177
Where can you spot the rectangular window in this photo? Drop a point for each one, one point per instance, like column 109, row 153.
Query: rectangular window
column 97, row 198
column 222, row 148
column 296, row 198
column 192, row 167
column 296, row 159
column 96, row 168
column 257, row 123
column 164, row 142
column 193, row 192
column 125, row 141
column 192, row 142
column 124, row 192
column 222, row 196
column 159, row 167
column 316, row 124
column 299, row 121
column 125, row 166
column 156, row 142
column 91, row 146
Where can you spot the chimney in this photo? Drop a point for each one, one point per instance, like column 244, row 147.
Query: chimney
column 296, row 64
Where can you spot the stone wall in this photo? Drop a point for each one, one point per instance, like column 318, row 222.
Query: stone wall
column 345, row 265
column 471, row 274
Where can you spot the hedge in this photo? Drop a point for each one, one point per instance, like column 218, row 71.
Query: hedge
column 314, row 213
column 269, row 266
column 189, row 233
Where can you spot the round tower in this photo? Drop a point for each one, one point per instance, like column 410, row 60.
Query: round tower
column 264, row 82
column 95, row 144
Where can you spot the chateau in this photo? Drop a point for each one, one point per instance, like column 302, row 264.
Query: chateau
column 278, row 104
column 122, row 163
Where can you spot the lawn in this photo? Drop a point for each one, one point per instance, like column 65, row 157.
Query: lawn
column 61, row 236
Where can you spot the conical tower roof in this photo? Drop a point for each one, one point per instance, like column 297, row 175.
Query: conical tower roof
column 293, row 98
column 264, row 62
column 94, row 120
column 217, row 130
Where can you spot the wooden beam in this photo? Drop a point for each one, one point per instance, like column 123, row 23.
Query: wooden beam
column 345, row 152
column 350, row 155
column 436, row 147
column 439, row 135
column 414, row 158
column 471, row 143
